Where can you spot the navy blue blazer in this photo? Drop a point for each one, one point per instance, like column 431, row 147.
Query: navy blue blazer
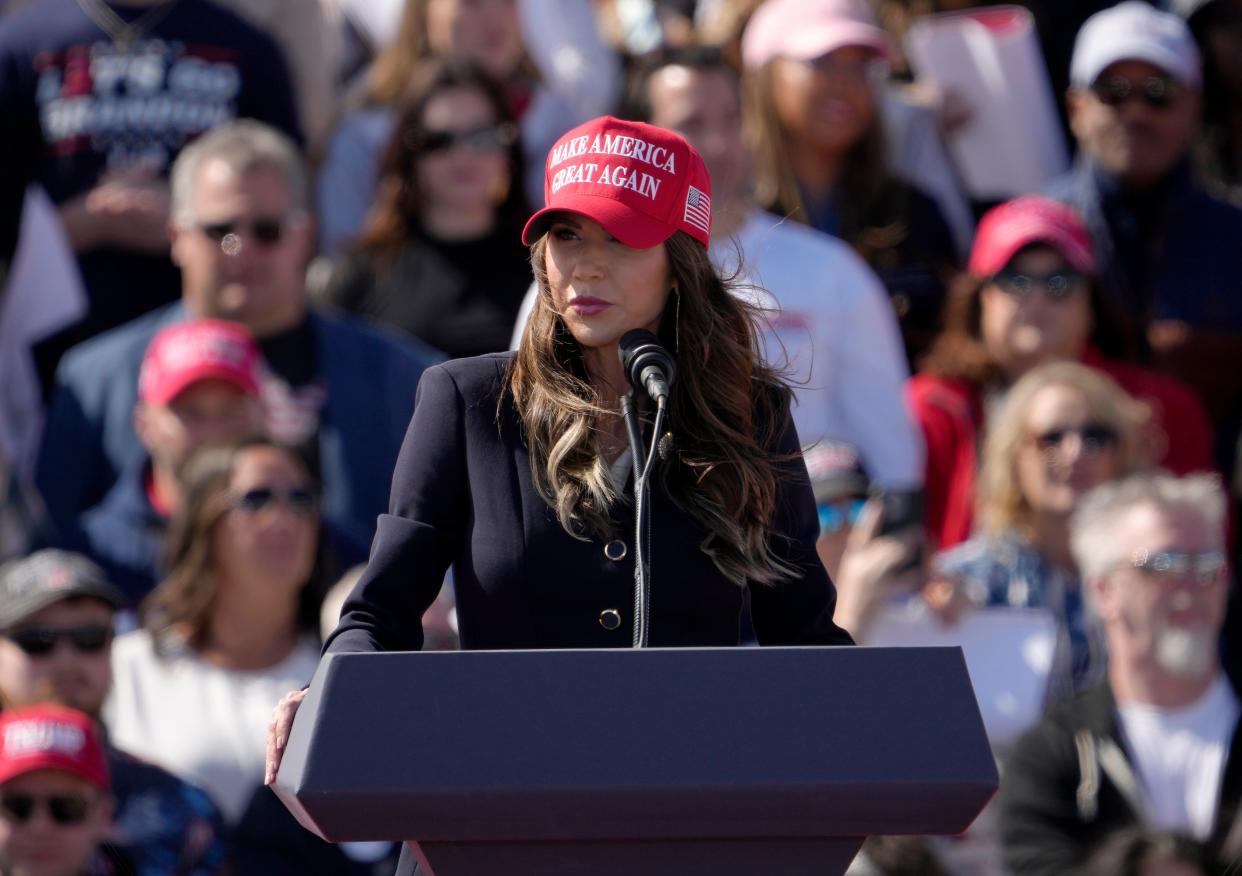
column 462, row 495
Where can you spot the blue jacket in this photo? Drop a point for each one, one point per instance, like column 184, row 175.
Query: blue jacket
column 370, row 377
column 1190, row 274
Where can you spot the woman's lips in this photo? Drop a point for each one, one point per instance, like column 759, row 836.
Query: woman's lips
column 587, row 306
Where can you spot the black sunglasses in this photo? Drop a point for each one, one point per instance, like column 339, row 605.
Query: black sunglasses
column 1156, row 91
column 1095, row 438
column 64, row 809
column 483, row 139
column 267, row 231
column 41, row 641
column 1058, row 285
column 299, row 500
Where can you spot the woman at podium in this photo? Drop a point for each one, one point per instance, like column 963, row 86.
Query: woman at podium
column 517, row 472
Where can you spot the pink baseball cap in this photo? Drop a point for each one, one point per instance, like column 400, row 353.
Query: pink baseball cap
column 1008, row 228
column 201, row 349
column 809, row 29
column 51, row 738
column 640, row 182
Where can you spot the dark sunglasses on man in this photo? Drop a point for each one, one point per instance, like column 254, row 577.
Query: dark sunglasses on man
column 268, row 231
column 41, row 641
column 64, row 809
column 484, row 139
column 1155, row 91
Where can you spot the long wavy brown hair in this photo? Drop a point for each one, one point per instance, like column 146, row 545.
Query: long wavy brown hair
column 184, row 600
column 726, row 410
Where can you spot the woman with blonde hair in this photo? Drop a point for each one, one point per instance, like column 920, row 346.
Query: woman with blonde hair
column 231, row 627
column 1063, row 429
column 517, row 470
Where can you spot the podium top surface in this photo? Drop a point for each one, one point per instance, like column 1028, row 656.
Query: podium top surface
column 540, row 745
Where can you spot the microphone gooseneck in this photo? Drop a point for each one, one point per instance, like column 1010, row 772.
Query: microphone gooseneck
column 650, row 369
column 647, row 364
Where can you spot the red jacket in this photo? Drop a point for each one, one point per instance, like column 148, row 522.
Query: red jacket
column 950, row 413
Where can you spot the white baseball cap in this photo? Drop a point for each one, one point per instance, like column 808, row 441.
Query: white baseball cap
column 1135, row 31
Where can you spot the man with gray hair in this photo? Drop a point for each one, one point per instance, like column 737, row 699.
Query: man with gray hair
column 1156, row 745
column 241, row 234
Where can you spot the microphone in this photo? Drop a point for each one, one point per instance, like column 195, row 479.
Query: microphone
column 648, row 365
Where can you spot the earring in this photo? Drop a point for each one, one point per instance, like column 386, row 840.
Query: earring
column 676, row 321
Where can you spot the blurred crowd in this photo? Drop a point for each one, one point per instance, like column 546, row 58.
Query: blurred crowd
column 999, row 253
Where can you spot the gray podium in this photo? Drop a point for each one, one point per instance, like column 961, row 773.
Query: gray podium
column 721, row 761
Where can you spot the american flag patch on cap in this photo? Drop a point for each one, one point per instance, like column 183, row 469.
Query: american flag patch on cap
column 698, row 209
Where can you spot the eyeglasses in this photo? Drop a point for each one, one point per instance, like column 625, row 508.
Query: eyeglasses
column 483, row 139
column 41, row 641
column 1094, row 438
column 1205, row 567
column 833, row 516
column 1156, row 91
column 299, row 500
column 1057, row 285
column 65, row 809
column 268, row 231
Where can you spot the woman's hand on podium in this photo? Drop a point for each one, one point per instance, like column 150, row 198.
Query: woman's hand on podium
column 278, row 731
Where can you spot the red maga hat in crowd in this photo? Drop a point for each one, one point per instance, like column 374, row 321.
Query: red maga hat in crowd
column 51, row 738
column 641, row 183
column 201, row 349
column 1005, row 230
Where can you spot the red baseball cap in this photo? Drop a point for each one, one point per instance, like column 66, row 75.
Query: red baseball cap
column 201, row 349
column 51, row 738
column 1016, row 224
column 640, row 182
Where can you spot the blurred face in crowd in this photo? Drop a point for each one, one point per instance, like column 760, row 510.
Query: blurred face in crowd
column 704, row 106
column 465, row 165
column 826, row 104
column 51, row 823
column 1067, row 449
column 243, row 258
column 270, row 533
column 601, row 287
column 1136, row 121
column 483, row 31
column 1169, row 608
column 1036, row 310
column 1222, row 42
column 59, row 654
column 206, row 413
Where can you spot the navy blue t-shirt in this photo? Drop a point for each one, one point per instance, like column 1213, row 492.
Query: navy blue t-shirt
column 77, row 107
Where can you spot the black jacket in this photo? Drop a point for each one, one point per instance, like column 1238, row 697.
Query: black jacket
column 462, row 494
column 1069, row 783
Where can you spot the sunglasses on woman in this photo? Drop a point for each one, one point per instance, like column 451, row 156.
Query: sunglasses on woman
column 1094, row 438
column 299, row 500
column 41, row 641
column 1155, row 91
column 65, row 809
column 1057, row 285
column 484, row 139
